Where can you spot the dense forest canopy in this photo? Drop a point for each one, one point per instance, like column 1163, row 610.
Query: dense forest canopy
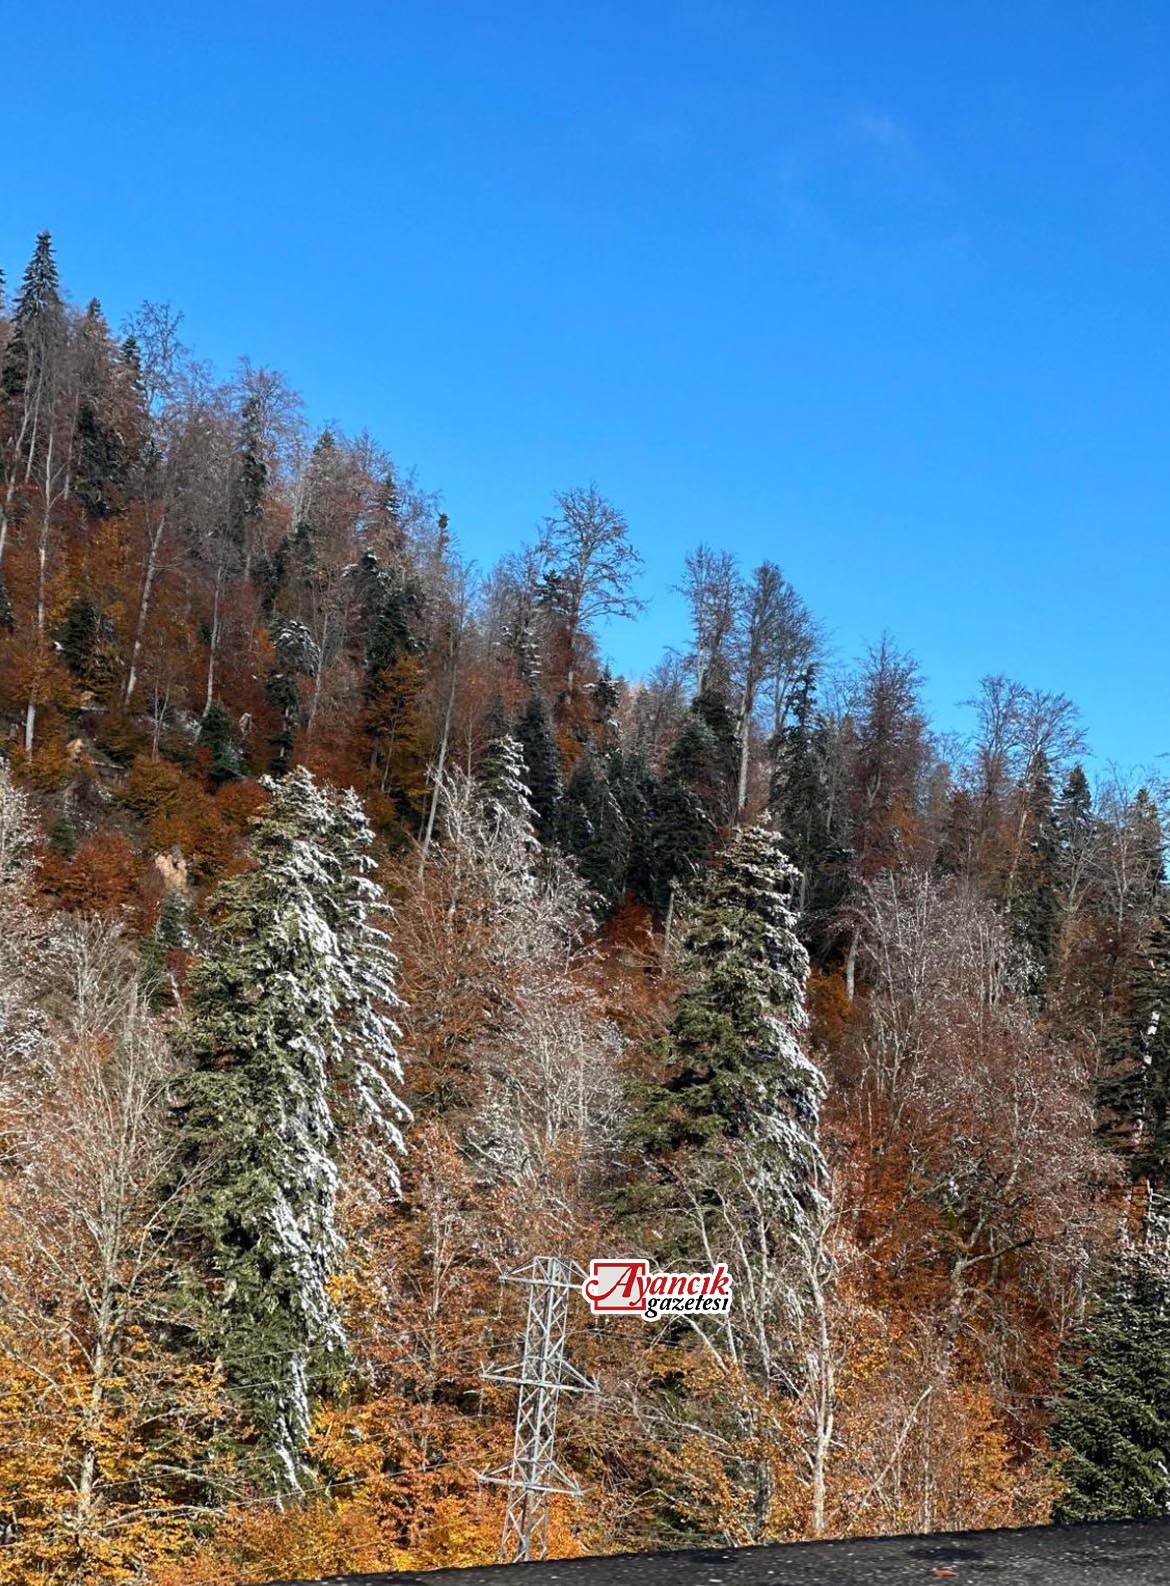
column 365, row 936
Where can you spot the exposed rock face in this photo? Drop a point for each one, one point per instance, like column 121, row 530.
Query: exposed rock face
column 172, row 867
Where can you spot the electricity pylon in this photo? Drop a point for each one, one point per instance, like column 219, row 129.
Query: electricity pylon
column 542, row 1375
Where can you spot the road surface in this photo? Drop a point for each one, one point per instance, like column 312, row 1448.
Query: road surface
column 1136, row 1553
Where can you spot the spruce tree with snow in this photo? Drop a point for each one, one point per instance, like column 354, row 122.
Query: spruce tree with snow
column 289, row 1042
column 542, row 763
column 503, row 777
column 1111, row 1424
column 736, row 1068
column 368, row 1068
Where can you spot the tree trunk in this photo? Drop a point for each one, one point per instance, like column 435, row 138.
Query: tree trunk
column 30, row 717
column 144, row 607
column 851, row 962
column 440, row 766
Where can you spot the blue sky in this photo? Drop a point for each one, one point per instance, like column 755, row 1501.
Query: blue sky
column 876, row 290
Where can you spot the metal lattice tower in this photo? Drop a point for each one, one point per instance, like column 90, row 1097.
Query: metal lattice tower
column 533, row 1475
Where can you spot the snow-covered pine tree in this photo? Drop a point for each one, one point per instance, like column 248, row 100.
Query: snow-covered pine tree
column 503, row 776
column 542, row 762
column 256, row 1132
column 1111, row 1424
column 737, row 1070
column 368, row 1066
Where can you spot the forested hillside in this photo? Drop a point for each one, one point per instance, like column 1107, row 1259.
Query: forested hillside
column 364, row 936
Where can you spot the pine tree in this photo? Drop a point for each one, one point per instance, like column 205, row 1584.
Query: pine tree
column 296, row 656
column 171, row 934
column 38, row 320
column 40, row 288
column 368, row 1069
column 636, row 791
column 592, row 829
column 542, row 762
column 250, row 485
column 735, row 1059
column 217, row 735
column 1035, row 905
column 291, row 1045
column 1074, row 813
column 172, row 931
column 1112, row 1420
column 256, row 1130
column 704, row 757
column 62, row 836
column 680, row 837
column 502, row 776
column 88, row 647
column 1134, row 1089
column 606, row 697
column 803, row 813
column 1150, row 846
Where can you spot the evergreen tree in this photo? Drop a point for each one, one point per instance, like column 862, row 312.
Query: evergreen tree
column 217, row 735
column 38, row 321
column 1134, row 1089
column 88, row 647
column 296, row 656
column 704, row 757
column 1074, row 813
column 636, row 792
column 606, row 698
column 173, row 931
column 290, row 1043
column 1112, row 1420
column 502, row 776
column 250, row 484
column 592, row 829
column 1035, row 905
column 40, row 287
column 256, row 1132
column 1150, row 846
column 171, row 934
column 803, row 813
column 369, row 1073
column 62, row 836
column 680, row 837
column 735, row 1059
column 542, row 763
column 109, row 434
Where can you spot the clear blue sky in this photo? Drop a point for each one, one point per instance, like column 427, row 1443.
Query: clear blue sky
column 878, row 290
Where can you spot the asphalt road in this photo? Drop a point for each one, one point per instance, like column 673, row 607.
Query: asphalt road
column 1133, row 1554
